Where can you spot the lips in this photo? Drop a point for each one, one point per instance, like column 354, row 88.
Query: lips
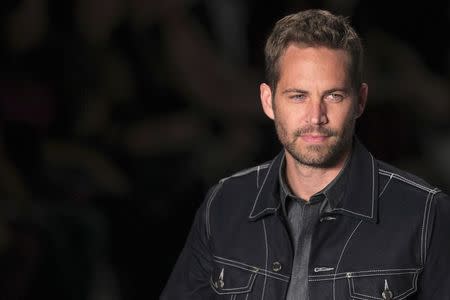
column 314, row 138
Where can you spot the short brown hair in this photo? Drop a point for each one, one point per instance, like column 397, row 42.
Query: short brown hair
column 313, row 27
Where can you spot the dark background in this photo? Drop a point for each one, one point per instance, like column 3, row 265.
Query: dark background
column 116, row 116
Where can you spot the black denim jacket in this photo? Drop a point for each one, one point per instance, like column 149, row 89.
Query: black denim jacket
column 387, row 238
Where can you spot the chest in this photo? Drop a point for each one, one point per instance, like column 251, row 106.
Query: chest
column 349, row 259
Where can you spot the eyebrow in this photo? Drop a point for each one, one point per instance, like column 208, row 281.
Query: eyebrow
column 298, row 91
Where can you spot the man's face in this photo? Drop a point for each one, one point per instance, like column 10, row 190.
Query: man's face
column 314, row 107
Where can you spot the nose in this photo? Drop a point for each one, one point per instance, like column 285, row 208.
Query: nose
column 317, row 113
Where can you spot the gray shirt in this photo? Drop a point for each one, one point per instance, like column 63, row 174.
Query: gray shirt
column 301, row 217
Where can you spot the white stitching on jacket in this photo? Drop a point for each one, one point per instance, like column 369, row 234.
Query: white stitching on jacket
column 425, row 237
column 242, row 289
column 368, row 272
column 373, row 194
column 219, row 185
column 408, row 181
column 208, row 206
column 267, row 257
column 424, row 225
column 385, row 187
column 344, row 275
column 259, row 192
column 354, row 294
column 340, row 257
column 250, row 268
column 247, row 171
column 257, row 178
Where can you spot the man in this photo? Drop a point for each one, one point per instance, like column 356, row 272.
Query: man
column 324, row 219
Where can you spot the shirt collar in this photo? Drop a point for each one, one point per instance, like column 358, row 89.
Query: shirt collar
column 353, row 193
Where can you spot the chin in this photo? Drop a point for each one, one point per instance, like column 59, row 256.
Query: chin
column 317, row 156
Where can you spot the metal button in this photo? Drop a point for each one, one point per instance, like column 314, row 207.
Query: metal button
column 387, row 294
column 327, row 218
column 220, row 283
column 276, row 266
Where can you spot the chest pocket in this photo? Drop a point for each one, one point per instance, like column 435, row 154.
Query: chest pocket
column 382, row 284
column 228, row 278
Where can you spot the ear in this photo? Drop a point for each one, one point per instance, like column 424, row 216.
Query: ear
column 265, row 93
column 362, row 99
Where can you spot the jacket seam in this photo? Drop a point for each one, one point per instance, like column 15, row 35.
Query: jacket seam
column 243, row 289
column 425, row 227
column 385, row 187
column 340, row 257
column 250, row 268
column 368, row 272
column 266, row 259
column 219, row 185
column 258, row 169
column 257, row 177
column 373, row 195
column 247, row 171
column 344, row 276
column 259, row 192
column 208, row 209
column 355, row 295
column 407, row 181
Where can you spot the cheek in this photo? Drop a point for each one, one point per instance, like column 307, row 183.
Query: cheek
column 289, row 126
column 284, row 130
column 289, row 118
column 281, row 126
column 345, row 117
column 348, row 123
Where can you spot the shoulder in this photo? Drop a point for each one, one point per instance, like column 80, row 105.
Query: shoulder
column 248, row 175
column 404, row 180
column 402, row 190
column 231, row 197
column 243, row 181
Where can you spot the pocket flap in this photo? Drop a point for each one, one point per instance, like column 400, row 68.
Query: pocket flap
column 371, row 285
column 229, row 279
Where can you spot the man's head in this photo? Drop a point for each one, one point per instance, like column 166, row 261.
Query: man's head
column 315, row 91
column 313, row 28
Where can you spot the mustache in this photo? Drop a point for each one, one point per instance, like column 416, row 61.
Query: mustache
column 325, row 131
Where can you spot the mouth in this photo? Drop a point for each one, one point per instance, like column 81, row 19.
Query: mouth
column 316, row 139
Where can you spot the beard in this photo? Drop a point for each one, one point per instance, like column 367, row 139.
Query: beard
column 318, row 156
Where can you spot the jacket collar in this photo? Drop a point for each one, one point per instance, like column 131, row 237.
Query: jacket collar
column 267, row 199
column 359, row 197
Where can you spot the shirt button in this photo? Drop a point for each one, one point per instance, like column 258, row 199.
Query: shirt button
column 276, row 266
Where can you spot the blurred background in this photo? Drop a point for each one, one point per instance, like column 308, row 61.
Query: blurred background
column 116, row 116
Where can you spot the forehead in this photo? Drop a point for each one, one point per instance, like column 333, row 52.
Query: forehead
column 308, row 65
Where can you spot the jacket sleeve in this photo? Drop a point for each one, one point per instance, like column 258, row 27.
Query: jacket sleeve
column 435, row 281
column 191, row 275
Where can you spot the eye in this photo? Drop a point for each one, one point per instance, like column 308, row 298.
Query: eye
column 335, row 97
column 298, row 97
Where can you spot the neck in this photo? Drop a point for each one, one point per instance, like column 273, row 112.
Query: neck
column 305, row 181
